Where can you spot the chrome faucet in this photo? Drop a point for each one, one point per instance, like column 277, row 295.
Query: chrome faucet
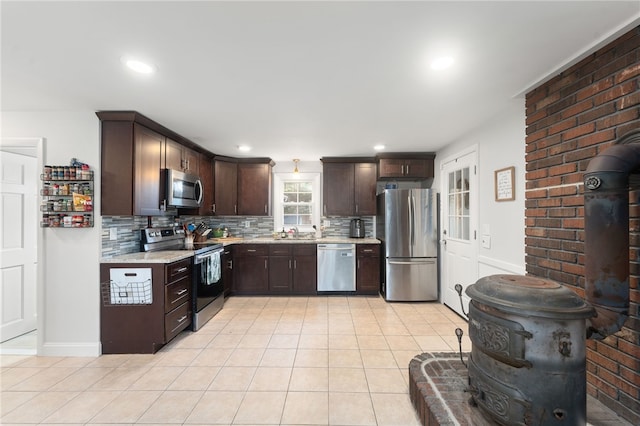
column 295, row 232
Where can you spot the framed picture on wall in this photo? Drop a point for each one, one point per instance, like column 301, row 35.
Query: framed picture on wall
column 504, row 180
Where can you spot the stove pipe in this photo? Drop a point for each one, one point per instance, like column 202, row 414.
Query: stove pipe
column 606, row 223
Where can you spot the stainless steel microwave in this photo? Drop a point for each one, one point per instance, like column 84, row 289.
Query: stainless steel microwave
column 183, row 189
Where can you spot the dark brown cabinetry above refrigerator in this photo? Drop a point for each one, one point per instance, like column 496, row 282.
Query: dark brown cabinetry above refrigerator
column 405, row 165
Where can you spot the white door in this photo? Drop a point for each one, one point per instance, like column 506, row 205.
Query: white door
column 458, row 236
column 18, row 244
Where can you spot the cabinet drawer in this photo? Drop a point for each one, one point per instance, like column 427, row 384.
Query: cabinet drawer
column 280, row 249
column 368, row 250
column 176, row 293
column 178, row 270
column 305, row 250
column 176, row 321
column 251, row 250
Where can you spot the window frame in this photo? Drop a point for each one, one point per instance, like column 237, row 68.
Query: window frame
column 278, row 195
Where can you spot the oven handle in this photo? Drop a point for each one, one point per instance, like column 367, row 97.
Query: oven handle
column 199, row 258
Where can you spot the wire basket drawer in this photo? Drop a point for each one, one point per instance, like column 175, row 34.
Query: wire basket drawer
column 128, row 286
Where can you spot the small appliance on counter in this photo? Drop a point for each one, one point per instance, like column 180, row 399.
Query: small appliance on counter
column 356, row 230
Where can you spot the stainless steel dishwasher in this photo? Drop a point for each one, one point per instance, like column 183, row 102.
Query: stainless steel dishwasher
column 336, row 267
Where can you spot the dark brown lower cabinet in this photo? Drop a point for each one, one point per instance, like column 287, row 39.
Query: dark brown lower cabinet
column 227, row 270
column 134, row 327
column 367, row 269
column 305, row 267
column 251, row 269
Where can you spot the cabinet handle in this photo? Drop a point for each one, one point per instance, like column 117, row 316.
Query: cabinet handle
column 163, row 206
column 289, row 263
column 181, row 270
column 356, row 208
column 265, row 264
column 402, row 169
column 295, row 264
column 184, row 317
column 265, row 209
column 251, row 250
column 181, row 292
column 407, row 169
column 367, row 250
column 213, row 207
column 358, row 262
column 235, row 208
column 231, row 264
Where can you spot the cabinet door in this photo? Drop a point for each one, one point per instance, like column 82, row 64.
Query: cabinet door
column 173, row 155
column 365, row 188
column 179, row 157
column 117, row 159
column 418, row 168
column 338, row 189
column 254, row 189
column 280, row 268
column 226, row 188
column 227, row 270
column 391, row 167
column 305, row 274
column 205, row 169
column 251, row 274
column 148, row 160
column 367, row 268
column 190, row 160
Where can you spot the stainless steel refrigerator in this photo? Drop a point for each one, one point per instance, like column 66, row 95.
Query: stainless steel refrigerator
column 407, row 225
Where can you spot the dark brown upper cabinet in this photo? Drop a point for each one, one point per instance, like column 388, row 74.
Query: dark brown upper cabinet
column 133, row 154
column 179, row 157
column 254, row 189
column 348, row 186
column 409, row 166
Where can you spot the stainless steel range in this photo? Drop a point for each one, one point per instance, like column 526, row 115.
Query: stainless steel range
column 207, row 288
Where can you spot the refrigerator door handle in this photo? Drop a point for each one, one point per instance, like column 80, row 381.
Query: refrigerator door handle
column 400, row 262
column 412, row 218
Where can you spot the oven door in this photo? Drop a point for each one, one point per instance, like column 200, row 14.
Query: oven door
column 208, row 289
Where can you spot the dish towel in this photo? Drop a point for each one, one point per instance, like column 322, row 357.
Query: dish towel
column 211, row 270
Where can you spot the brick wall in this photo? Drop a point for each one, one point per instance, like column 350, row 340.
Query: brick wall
column 571, row 119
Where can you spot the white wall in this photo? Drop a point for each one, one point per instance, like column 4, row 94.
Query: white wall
column 70, row 307
column 501, row 143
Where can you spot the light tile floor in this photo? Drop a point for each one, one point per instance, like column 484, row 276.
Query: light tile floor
column 262, row 360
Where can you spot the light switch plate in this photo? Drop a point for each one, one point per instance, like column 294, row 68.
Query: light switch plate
column 113, row 234
column 486, row 241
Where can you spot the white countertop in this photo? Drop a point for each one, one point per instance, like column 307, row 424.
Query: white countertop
column 163, row 256
column 169, row 256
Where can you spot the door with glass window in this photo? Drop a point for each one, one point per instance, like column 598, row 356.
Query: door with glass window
column 458, row 235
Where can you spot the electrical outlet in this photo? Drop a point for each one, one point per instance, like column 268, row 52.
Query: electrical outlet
column 113, row 234
column 247, row 224
column 486, row 241
column 326, row 224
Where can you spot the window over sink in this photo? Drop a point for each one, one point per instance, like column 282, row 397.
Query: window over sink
column 296, row 201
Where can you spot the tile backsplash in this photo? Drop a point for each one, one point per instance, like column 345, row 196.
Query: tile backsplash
column 128, row 228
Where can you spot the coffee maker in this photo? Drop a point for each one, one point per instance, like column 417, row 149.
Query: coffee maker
column 357, row 228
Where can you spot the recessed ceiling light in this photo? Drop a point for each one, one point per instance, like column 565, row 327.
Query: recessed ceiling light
column 138, row 66
column 379, row 147
column 244, row 148
column 441, row 63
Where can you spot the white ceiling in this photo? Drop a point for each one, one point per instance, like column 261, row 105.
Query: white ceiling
column 298, row 79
